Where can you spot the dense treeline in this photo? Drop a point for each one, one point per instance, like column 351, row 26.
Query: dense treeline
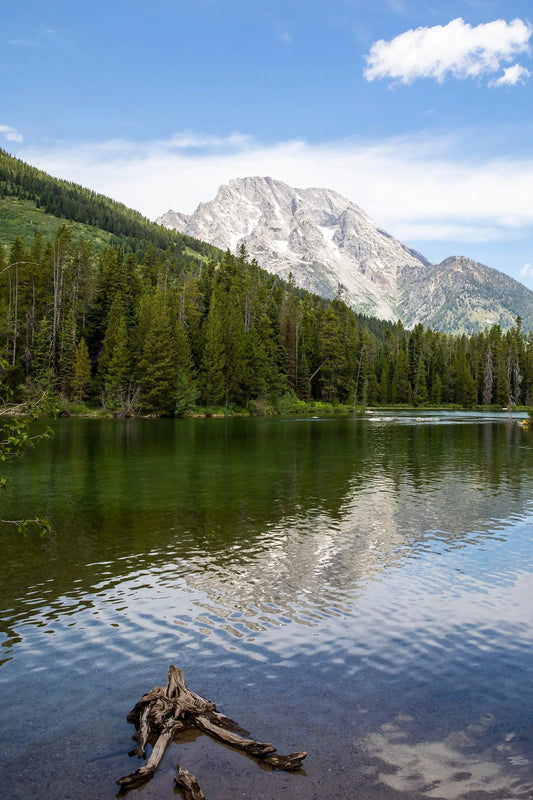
column 158, row 335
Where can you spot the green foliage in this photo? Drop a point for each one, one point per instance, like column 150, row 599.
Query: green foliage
column 15, row 440
column 157, row 369
column 289, row 403
column 115, row 362
column 187, row 394
column 81, row 378
column 161, row 338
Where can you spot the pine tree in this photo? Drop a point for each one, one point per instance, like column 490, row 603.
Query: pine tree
column 67, row 352
column 224, row 351
column 487, row 376
column 61, row 255
column 81, row 378
column 114, row 365
column 516, row 360
column 187, row 391
column 465, row 386
column 188, row 305
column 333, row 357
column 212, row 377
column 83, row 281
column 148, row 265
column 436, row 390
column 117, row 376
column 15, row 272
column 384, row 381
column 420, row 392
column 308, row 350
column 157, row 371
column 401, row 388
column 42, row 356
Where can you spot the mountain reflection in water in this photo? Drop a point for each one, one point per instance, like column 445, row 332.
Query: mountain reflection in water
column 369, row 579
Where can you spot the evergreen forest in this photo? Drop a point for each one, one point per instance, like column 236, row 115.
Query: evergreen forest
column 161, row 334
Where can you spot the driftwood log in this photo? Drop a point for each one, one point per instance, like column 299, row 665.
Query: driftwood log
column 166, row 711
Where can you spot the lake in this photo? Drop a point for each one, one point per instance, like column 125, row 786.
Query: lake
column 357, row 587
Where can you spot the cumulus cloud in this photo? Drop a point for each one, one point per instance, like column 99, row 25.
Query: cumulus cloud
column 417, row 188
column 527, row 271
column 457, row 49
column 11, row 134
column 511, row 76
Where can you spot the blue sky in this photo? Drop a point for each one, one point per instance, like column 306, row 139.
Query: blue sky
column 420, row 111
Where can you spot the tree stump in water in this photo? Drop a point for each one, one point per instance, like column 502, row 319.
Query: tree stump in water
column 165, row 711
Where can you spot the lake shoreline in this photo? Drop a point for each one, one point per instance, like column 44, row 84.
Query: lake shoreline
column 303, row 409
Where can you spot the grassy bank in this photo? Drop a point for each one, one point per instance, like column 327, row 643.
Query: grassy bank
column 285, row 405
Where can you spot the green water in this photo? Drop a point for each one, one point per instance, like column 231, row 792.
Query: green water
column 359, row 588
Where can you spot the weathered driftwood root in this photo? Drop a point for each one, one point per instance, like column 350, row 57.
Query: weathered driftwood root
column 164, row 712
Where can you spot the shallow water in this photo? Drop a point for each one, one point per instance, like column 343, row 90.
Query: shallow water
column 360, row 588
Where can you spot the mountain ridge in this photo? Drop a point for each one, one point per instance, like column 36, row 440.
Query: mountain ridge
column 325, row 240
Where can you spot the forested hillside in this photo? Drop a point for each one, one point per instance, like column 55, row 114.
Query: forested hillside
column 68, row 201
column 159, row 335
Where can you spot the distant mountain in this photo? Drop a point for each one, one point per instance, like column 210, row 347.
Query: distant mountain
column 325, row 240
column 461, row 295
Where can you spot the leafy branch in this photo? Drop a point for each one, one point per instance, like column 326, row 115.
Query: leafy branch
column 16, row 440
column 24, row 525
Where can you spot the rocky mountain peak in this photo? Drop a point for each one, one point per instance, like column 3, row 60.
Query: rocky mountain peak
column 323, row 240
column 174, row 220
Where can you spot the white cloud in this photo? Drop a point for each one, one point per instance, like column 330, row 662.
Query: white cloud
column 527, row 271
column 191, row 139
column 458, row 49
column 11, row 134
column 511, row 76
column 418, row 189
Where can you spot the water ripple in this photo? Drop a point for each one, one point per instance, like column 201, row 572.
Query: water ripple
column 394, row 626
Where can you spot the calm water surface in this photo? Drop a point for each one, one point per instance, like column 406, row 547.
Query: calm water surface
column 358, row 588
